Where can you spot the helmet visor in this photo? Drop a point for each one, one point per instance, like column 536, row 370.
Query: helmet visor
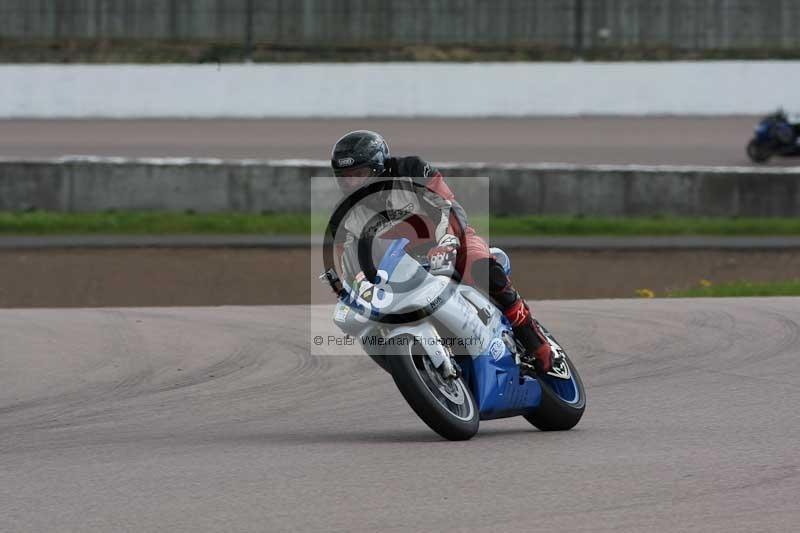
column 362, row 172
column 350, row 179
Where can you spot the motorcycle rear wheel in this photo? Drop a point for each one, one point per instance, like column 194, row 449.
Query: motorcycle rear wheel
column 555, row 413
column 758, row 153
column 446, row 406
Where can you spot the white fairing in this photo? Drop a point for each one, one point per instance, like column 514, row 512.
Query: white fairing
column 410, row 289
column 458, row 312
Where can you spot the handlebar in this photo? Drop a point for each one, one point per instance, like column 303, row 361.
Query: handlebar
column 447, row 269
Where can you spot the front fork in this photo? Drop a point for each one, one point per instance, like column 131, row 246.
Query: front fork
column 439, row 354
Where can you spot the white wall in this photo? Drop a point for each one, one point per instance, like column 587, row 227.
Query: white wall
column 398, row 89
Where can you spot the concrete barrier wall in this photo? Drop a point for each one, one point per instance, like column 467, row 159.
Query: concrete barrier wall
column 685, row 24
column 97, row 184
column 397, row 89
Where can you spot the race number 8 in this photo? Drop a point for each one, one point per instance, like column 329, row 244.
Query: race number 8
column 381, row 298
column 382, row 293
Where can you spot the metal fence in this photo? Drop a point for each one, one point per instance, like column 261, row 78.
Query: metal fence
column 576, row 24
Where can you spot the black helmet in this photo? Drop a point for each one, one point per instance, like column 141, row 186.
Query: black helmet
column 361, row 149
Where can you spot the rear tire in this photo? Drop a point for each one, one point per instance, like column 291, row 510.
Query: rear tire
column 758, row 153
column 450, row 419
column 555, row 414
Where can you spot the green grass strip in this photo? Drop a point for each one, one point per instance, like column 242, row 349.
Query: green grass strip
column 44, row 223
column 740, row 288
column 560, row 225
column 155, row 223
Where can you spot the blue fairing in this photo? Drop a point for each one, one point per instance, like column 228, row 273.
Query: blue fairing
column 495, row 383
column 502, row 259
column 393, row 255
column 762, row 132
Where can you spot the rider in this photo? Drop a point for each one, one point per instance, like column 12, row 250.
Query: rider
column 362, row 155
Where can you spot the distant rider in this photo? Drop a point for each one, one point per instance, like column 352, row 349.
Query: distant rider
column 362, row 156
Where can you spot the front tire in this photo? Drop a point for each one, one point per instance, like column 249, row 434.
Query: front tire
column 446, row 406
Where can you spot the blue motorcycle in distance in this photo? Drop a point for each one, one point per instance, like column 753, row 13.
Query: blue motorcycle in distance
column 774, row 135
column 451, row 352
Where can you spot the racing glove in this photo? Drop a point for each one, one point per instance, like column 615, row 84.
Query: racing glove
column 444, row 252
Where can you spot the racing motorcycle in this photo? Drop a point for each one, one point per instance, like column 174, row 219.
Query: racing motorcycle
column 774, row 135
column 451, row 352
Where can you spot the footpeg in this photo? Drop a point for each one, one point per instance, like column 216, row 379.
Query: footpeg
column 527, row 369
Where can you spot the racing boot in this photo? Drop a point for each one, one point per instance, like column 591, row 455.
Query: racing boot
column 527, row 331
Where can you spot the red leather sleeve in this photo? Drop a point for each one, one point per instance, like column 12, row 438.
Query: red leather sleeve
column 437, row 184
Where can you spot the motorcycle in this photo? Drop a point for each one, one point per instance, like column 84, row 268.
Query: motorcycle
column 451, row 352
column 774, row 135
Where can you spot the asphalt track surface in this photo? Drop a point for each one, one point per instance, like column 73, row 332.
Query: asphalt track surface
column 220, row 419
column 585, row 140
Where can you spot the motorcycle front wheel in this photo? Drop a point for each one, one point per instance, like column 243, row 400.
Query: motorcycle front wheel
column 445, row 405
